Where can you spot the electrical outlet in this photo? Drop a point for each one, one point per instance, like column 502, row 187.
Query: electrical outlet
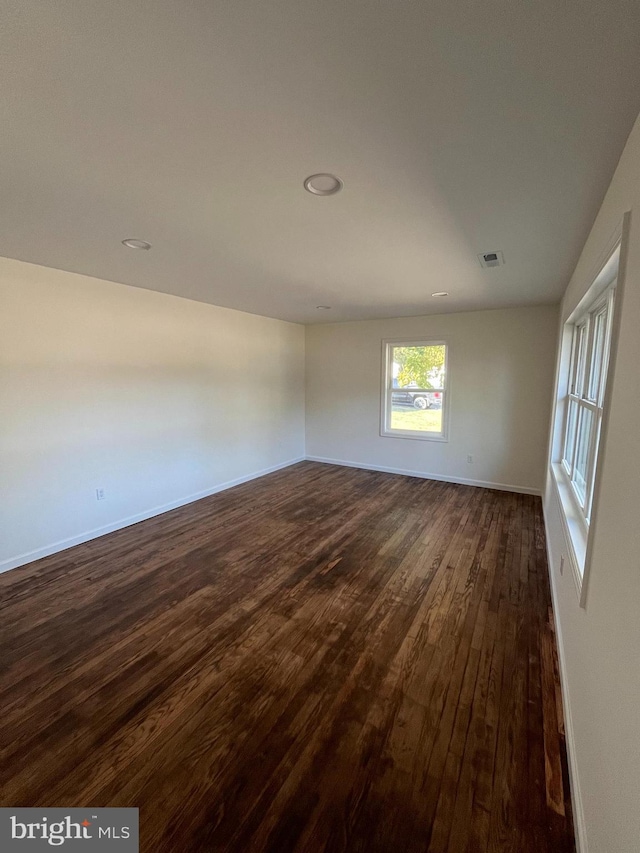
column 469, row 458
column 562, row 564
column 100, row 495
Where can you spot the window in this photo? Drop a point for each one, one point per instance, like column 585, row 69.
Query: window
column 415, row 396
column 585, row 365
column 590, row 344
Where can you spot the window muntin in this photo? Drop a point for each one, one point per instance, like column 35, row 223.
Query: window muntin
column 415, row 390
column 589, row 360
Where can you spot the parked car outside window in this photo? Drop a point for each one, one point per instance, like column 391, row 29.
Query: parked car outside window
column 418, row 398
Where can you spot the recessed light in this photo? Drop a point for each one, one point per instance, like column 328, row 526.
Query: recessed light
column 440, row 293
column 131, row 243
column 323, row 307
column 323, row 184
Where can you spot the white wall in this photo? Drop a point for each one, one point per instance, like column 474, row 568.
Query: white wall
column 600, row 645
column 501, row 367
column 154, row 398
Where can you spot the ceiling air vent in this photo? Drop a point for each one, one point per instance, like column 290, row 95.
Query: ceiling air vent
column 491, row 259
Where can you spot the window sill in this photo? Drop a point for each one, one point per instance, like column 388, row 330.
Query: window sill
column 576, row 533
column 396, row 433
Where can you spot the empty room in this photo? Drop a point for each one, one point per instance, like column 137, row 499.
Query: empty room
column 319, row 426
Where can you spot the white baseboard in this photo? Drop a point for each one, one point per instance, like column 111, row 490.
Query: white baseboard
column 504, row 487
column 87, row 535
column 579, row 825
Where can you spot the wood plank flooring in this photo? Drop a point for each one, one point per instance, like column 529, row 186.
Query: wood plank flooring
column 325, row 659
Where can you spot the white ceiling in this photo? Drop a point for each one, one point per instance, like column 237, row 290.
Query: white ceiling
column 457, row 127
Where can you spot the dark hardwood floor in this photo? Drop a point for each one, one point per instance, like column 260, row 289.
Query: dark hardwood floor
column 324, row 659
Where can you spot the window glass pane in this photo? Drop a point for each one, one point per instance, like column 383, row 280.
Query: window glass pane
column 424, row 414
column 581, row 357
column 597, row 354
column 570, row 436
column 416, row 382
column 419, row 367
column 585, row 426
column 573, row 367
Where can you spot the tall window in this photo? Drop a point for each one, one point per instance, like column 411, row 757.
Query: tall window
column 590, row 346
column 415, row 398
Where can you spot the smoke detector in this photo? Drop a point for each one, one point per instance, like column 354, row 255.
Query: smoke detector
column 491, row 259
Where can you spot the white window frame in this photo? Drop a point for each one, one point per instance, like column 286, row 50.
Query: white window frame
column 578, row 513
column 387, row 388
column 585, row 400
